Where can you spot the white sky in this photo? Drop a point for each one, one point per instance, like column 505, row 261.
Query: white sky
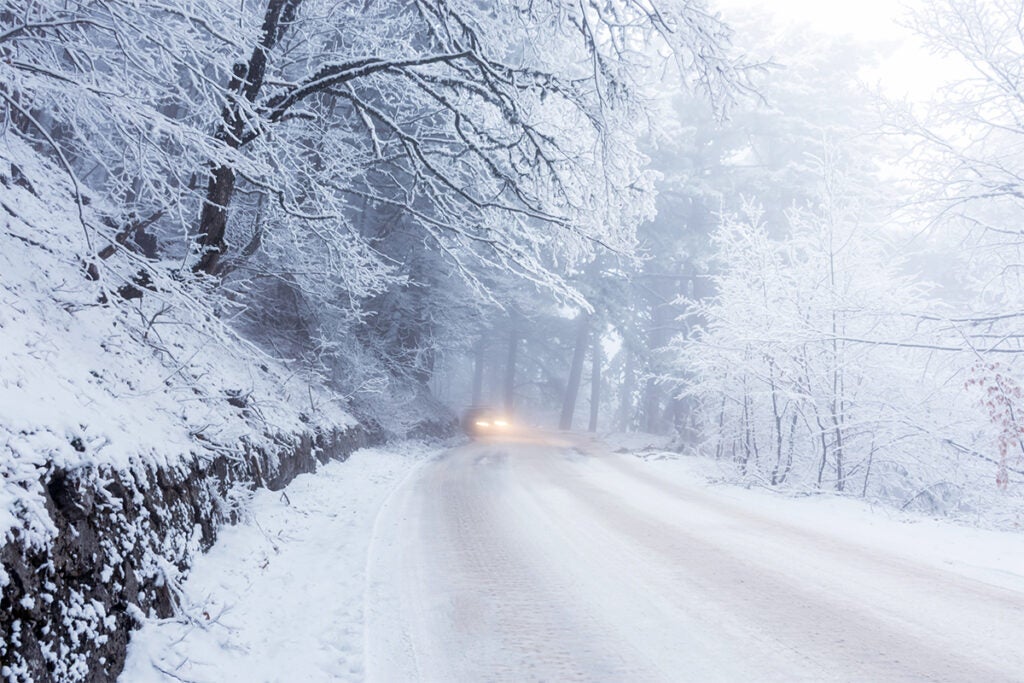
column 870, row 19
column 909, row 71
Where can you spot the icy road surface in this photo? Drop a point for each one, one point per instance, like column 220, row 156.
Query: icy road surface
column 552, row 560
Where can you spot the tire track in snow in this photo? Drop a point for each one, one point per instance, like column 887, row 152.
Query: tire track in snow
column 530, row 562
column 481, row 602
column 857, row 637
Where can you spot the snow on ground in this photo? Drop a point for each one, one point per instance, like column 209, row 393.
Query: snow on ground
column 280, row 597
column 552, row 557
column 545, row 560
column 644, row 442
column 990, row 556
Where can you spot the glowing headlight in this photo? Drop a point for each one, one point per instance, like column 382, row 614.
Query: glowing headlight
column 501, row 423
column 482, row 423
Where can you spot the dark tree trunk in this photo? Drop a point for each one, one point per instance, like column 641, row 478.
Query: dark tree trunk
column 595, row 383
column 247, row 82
column 572, row 388
column 213, row 221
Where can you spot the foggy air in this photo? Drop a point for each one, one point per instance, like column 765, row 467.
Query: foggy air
column 465, row 340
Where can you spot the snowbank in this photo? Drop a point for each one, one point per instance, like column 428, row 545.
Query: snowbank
column 280, row 597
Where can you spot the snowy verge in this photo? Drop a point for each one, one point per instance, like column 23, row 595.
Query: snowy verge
column 280, row 596
column 940, row 498
column 992, row 556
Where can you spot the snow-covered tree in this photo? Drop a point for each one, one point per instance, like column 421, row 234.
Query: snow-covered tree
column 119, row 93
column 790, row 383
column 358, row 171
column 503, row 129
column 707, row 167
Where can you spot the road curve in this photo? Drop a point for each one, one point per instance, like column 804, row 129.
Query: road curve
column 544, row 560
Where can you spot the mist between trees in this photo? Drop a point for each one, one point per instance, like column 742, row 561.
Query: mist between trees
column 623, row 215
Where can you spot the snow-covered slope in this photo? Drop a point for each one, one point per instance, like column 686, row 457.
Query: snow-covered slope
column 124, row 422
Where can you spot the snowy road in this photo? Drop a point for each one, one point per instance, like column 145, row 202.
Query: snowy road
column 548, row 560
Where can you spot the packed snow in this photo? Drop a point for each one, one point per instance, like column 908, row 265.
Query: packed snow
column 555, row 558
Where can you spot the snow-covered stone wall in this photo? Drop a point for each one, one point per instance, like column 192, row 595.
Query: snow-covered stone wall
column 118, row 542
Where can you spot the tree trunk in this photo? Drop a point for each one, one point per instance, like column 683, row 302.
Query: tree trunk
column 247, row 81
column 572, row 388
column 595, row 383
column 213, row 221
column 478, row 372
column 510, row 370
column 625, row 418
column 651, row 402
column 495, row 374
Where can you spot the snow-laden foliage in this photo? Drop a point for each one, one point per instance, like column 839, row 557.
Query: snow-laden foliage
column 311, row 152
column 126, row 411
column 121, row 94
column 820, row 363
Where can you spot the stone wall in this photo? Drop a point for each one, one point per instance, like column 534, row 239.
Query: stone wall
column 122, row 538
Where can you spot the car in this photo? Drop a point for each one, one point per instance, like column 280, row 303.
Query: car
column 485, row 421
